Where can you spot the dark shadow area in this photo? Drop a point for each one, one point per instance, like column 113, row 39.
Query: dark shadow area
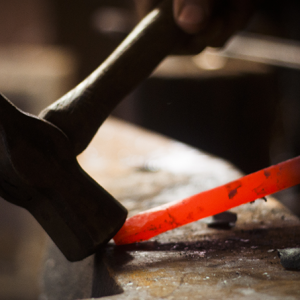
column 103, row 282
column 258, row 240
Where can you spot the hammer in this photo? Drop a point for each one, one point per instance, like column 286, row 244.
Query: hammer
column 38, row 166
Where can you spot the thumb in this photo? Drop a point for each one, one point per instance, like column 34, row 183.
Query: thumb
column 192, row 15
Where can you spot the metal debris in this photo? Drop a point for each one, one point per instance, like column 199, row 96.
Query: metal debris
column 290, row 258
column 224, row 220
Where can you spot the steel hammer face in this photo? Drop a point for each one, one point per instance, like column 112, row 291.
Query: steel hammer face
column 39, row 171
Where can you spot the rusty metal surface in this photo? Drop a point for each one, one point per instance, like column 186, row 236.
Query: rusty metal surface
column 196, row 262
column 144, row 170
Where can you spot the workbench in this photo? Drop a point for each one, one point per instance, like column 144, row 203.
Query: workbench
column 143, row 170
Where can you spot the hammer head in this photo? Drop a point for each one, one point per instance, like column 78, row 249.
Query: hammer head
column 39, row 171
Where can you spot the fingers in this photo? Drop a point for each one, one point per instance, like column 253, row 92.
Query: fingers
column 235, row 17
column 192, row 15
column 212, row 22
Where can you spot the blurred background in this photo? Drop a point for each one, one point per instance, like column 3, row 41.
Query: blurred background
column 240, row 103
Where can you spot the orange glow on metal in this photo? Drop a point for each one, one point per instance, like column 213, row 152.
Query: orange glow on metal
column 150, row 223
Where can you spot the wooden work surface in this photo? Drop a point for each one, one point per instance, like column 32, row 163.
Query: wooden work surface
column 143, row 170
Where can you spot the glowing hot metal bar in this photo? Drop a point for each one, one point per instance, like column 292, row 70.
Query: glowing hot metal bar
column 150, row 223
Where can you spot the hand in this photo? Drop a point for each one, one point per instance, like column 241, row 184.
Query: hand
column 211, row 22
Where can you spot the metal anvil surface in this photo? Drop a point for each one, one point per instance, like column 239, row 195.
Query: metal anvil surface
column 143, row 170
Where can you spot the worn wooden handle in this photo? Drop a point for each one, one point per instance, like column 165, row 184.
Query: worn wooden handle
column 81, row 112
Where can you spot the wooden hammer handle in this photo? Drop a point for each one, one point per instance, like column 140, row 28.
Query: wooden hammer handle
column 81, row 112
